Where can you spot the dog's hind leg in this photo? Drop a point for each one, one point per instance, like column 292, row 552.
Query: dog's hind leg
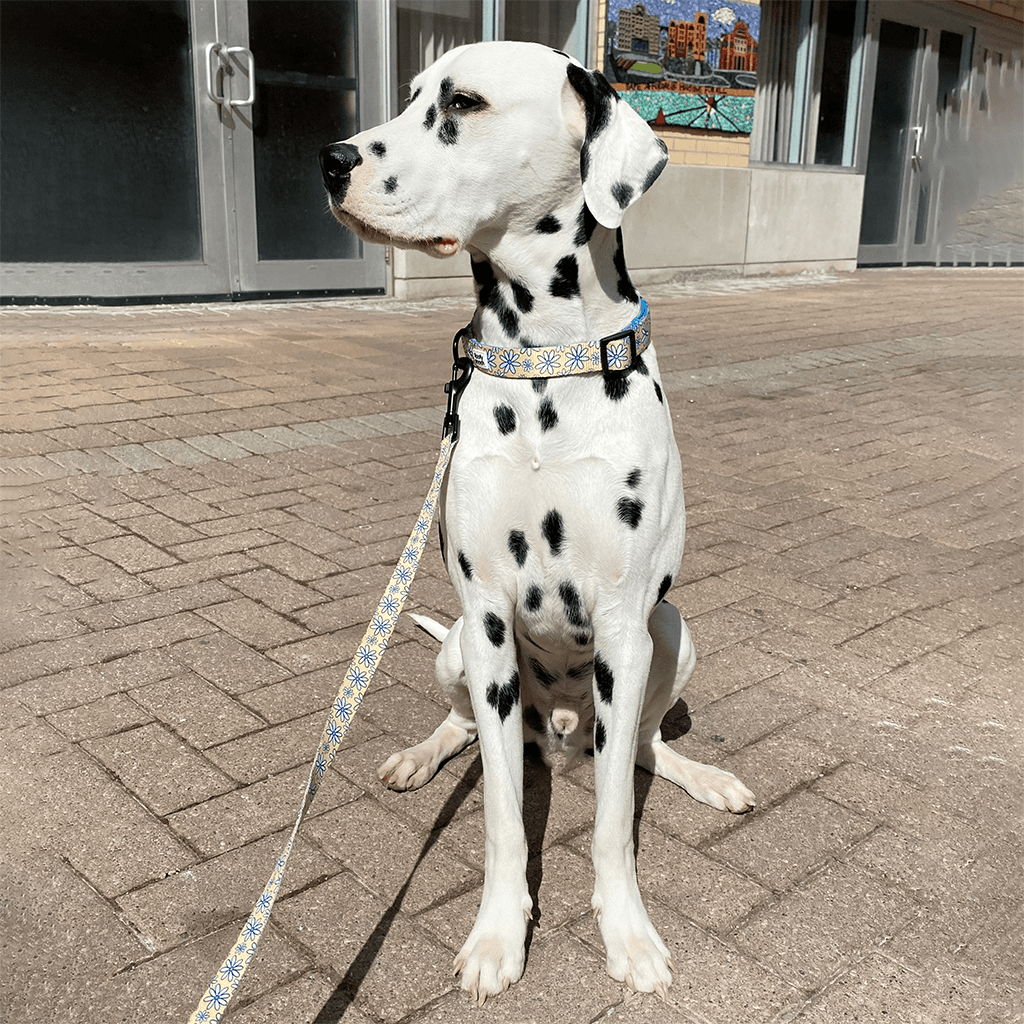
column 416, row 766
column 673, row 662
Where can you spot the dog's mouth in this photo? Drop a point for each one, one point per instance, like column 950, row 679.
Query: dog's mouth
column 440, row 246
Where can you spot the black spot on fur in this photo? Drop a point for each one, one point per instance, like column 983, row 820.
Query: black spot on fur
column 585, row 224
column 624, row 284
column 534, row 597
column 378, row 149
column 573, row 606
column 428, row 121
column 464, row 565
column 539, row 384
column 597, row 96
column 666, row 583
column 523, row 296
column 552, row 529
column 504, row 698
column 495, row 629
column 447, row 91
column 630, row 510
column 657, row 391
column 599, row 736
column 483, row 274
column 582, row 639
column 531, row 716
column 415, row 96
column 633, row 480
column 603, row 679
column 390, row 184
column 544, row 677
column 448, row 133
column 527, row 343
column 518, row 546
column 622, row 193
column 652, row 174
column 616, row 388
column 489, row 296
column 547, row 415
column 508, row 320
column 566, row 282
column 548, row 225
column 641, row 367
column 505, row 418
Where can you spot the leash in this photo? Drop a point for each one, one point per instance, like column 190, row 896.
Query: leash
column 221, row 989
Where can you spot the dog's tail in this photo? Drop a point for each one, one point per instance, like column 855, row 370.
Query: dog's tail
column 435, row 629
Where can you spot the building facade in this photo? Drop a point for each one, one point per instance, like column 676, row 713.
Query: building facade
column 687, row 40
column 172, row 154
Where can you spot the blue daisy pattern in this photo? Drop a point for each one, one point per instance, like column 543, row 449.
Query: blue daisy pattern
column 547, row 361
column 576, row 357
column 617, row 355
column 509, row 361
column 232, row 969
column 217, row 997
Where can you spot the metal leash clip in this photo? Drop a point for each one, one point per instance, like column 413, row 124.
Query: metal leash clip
column 462, row 368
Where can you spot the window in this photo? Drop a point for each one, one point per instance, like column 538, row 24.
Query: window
column 427, row 28
column 808, row 99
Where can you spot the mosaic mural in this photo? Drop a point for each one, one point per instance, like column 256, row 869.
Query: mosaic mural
column 685, row 63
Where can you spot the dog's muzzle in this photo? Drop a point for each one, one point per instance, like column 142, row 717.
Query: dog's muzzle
column 337, row 162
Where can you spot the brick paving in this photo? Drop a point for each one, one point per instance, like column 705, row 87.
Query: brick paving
column 200, row 508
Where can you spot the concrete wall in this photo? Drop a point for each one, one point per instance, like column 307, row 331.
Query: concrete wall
column 748, row 220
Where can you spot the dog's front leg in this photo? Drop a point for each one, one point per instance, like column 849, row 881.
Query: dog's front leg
column 635, row 952
column 493, row 955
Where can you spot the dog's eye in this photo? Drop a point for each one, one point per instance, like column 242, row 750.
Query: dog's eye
column 464, row 101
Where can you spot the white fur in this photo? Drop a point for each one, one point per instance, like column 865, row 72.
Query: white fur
column 599, row 454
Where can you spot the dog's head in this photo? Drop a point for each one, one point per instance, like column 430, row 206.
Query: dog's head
column 495, row 137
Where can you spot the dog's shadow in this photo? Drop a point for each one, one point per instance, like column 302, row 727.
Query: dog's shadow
column 537, row 792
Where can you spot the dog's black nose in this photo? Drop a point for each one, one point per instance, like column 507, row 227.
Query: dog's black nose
column 336, row 163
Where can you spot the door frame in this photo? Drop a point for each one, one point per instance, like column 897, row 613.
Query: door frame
column 226, row 270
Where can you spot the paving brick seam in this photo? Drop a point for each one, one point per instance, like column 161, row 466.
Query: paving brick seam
column 771, row 374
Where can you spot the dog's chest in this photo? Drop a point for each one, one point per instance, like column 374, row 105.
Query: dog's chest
column 559, row 491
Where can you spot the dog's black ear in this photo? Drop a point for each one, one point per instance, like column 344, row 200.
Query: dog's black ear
column 621, row 157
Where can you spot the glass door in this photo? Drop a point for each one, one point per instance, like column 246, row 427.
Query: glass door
column 158, row 149
column 924, row 125
column 291, row 76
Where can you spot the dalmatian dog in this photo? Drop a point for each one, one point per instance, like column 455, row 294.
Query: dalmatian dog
column 562, row 515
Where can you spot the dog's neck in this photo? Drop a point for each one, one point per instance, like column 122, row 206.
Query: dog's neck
column 525, row 299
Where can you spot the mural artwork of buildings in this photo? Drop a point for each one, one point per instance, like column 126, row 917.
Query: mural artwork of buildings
column 680, row 66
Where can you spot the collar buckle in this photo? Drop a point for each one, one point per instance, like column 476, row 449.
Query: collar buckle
column 622, row 371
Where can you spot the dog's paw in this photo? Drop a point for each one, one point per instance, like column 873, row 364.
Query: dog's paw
column 719, row 789
column 704, row 782
column 494, row 954
column 408, row 769
column 635, row 953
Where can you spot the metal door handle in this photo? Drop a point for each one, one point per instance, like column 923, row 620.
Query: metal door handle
column 223, row 54
column 915, row 157
column 211, row 74
column 250, row 68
